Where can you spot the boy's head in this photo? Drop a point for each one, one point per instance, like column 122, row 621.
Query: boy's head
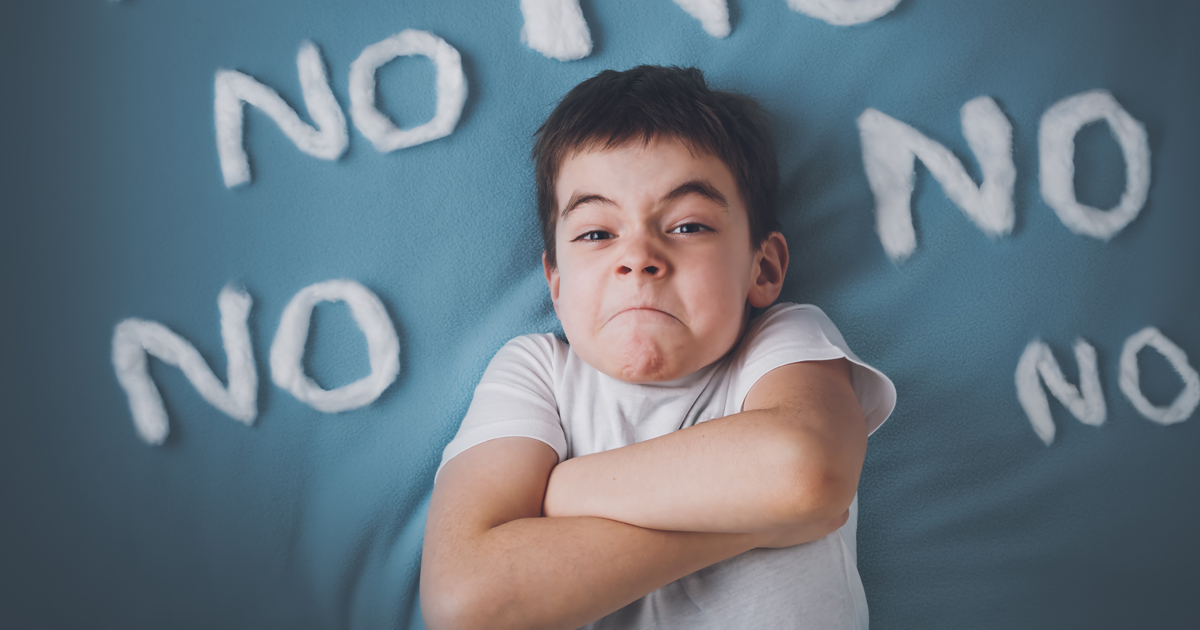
column 649, row 102
column 656, row 197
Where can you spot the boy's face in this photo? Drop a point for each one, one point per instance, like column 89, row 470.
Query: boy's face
column 655, row 265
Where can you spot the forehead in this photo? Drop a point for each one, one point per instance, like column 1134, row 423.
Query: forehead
column 637, row 168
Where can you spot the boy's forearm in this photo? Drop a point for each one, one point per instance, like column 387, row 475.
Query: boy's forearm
column 565, row 572
column 731, row 474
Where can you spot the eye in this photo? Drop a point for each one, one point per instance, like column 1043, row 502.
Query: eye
column 594, row 235
column 690, row 228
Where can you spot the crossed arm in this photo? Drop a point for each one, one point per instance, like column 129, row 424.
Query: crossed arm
column 512, row 540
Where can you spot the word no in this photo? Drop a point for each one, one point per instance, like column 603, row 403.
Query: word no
column 1086, row 402
column 556, row 28
column 134, row 340
column 328, row 138
column 891, row 148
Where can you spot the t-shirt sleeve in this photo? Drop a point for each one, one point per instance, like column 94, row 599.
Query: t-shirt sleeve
column 790, row 333
column 514, row 398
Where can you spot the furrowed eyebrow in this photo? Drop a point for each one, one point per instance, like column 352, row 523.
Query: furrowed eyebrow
column 580, row 198
column 698, row 187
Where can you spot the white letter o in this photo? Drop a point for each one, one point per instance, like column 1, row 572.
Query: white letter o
column 451, row 90
column 383, row 347
column 1056, row 153
column 1185, row 403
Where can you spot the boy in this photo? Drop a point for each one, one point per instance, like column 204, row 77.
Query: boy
column 663, row 469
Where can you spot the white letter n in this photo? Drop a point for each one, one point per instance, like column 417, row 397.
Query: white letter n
column 135, row 339
column 327, row 141
column 890, row 149
column 1037, row 359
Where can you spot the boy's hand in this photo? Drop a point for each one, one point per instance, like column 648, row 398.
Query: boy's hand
column 799, row 535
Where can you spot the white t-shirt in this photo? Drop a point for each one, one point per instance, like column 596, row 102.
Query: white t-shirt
column 537, row 387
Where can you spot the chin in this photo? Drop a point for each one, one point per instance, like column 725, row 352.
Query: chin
column 644, row 374
column 643, row 361
column 640, row 349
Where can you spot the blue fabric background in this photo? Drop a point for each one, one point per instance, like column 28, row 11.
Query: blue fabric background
column 112, row 206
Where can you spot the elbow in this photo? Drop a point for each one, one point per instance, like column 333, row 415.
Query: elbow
column 464, row 604
column 819, row 474
column 815, row 499
column 814, row 492
column 448, row 604
column 439, row 608
column 450, row 610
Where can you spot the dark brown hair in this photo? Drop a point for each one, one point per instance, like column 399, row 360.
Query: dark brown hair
column 651, row 102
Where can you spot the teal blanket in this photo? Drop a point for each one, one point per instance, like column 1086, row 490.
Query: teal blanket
column 1024, row 481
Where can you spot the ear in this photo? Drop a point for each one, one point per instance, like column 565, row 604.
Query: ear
column 770, row 266
column 551, row 277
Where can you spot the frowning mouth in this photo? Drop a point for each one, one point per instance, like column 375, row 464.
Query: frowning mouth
column 642, row 309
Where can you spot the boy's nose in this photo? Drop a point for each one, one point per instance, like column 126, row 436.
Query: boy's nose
column 641, row 257
column 649, row 269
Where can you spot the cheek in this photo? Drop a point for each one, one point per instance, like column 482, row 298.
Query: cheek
column 576, row 293
column 719, row 293
column 722, row 283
